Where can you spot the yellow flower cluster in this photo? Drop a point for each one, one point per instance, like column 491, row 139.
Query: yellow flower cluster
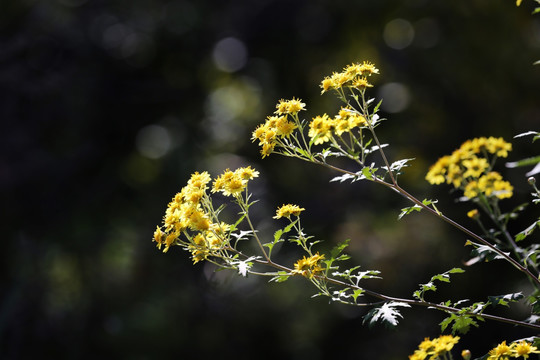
column 278, row 126
column 288, row 210
column 434, row 348
column 190, row 211
column 515, row 350
column 309, row 267
column 322, row 128
column 469, row 169
column 234, row 182
column 354, row 76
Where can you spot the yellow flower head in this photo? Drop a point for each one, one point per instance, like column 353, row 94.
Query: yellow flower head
column 292, row 106
column 309, row 267
column 361, row 83
column 158, row 237
column 367, row 69
column 474, row 166
column 502, row 351
column 524, row 348
column 199, row 181
column 434, row 348
column 320, row 128
column 288, row 210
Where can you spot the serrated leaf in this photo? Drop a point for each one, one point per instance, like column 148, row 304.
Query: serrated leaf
column 338, row 249
column 368, row 172
column 386, row 314
column 396, row 166
column 485, row 253
column 460, row 323
column 505, row 299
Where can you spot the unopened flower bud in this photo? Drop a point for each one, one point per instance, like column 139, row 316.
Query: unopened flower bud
column 466, row 354
column 531, row 180
column 473, row 214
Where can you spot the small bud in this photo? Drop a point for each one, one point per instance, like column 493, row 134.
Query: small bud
column 466, row 354
column 473, row 214
column 531, row 180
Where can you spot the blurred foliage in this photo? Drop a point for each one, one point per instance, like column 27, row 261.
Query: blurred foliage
column 108, row 106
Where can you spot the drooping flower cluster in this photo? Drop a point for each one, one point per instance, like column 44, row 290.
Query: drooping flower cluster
column 515, row 350
column 309, row 266
column 190, row 220
column 469, row 168
column 353, row 76
column 278, row 126
column 434, row 349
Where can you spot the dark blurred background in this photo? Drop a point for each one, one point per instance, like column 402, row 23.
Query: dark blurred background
column 107, row 107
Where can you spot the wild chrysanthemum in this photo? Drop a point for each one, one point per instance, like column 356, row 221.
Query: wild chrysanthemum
column 320, row 129
column 501, row 351
column 524, row 348
column 434, row 348
column 309, row 266
column 468, row 168
column 474, row 167
column 287, row 210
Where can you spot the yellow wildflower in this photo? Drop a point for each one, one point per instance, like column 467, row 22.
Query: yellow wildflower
column 327, row 84
column 361, row 83
column 418, row 355
column 368, row 69
column 502, row 351
column 434, row 348
column 295, row 106
column 158, row 237
column 246, row 173
column 292, row 106
column 524, row 348
column 288, row 210
column 199, row 181
column 320, row 128
column 309, row 267
column 498, row 146
column 283, row 127
column 475, row 166
column 445, row 343
column 267, row 149
column 198, row 221
column 518, row 2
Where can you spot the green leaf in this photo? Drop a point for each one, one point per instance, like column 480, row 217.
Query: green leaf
column 338, row 249
column 408, row 210
column 281, row 277
column 369, row 172
column 376, row 108
column 524, row 162
column 528, row 231
column 505, row 299
column 460, row 323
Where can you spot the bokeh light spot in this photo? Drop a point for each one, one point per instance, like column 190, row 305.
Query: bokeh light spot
column 396, row 97
column 230, row 55
column 398, row 34
column 153, row 141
